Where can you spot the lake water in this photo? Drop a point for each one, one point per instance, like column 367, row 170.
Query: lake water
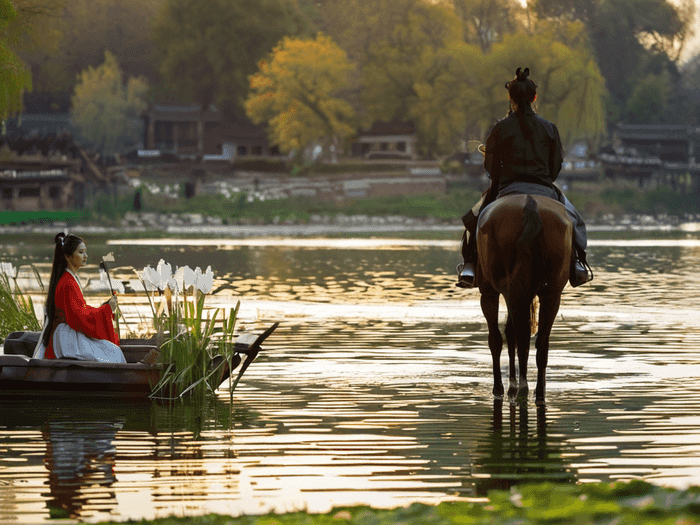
column 376, row 387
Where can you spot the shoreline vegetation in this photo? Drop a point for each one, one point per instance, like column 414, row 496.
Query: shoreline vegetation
column 602, row 204
column 635, row 502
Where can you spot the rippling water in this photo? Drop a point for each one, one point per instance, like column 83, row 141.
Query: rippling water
column 376, row 388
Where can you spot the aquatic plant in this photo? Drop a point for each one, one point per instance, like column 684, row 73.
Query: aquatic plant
column 635, row 502
column 16, row 308
column 195, row 347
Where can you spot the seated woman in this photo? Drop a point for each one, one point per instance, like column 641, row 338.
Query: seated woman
column 73, row 329
column 523, row 155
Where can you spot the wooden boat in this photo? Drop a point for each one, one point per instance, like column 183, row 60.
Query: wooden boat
column 20, row 372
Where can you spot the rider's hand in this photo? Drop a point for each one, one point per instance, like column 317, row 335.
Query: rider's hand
column 113, row 303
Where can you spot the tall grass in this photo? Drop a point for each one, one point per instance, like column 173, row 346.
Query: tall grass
column 16, row 308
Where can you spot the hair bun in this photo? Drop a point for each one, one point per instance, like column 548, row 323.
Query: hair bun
column 521, row 74
column 60, row 238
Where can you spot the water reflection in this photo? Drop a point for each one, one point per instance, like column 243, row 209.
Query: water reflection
column 515, row 453
column 376, row 389
column 80, row 458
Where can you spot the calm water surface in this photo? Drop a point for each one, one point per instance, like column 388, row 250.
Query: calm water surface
column 375, row 389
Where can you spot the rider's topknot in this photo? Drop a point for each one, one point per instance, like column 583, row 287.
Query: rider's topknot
column 522, row 91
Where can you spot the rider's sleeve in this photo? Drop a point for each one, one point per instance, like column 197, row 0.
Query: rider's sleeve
column 490, row 151
column 557, row 154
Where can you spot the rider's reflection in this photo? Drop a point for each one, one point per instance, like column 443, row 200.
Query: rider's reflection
column 80, row 457
column 516, row 454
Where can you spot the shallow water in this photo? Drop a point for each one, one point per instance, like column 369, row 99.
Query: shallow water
column 376, row 388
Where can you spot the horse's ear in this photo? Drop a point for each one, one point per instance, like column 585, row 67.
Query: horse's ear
column 517, row 73
column 526, row 73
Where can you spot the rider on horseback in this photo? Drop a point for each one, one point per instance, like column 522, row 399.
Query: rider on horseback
column 523, row 155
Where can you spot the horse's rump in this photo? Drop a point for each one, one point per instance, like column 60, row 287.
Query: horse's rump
column 512, row 247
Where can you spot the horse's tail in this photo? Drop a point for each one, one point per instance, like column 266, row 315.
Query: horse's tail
column 532, row 226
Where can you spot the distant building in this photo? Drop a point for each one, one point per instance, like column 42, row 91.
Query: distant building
column 39, row 123
column 30, row 185
column 386, row 140
column 173, row 129
column 47, row 172
column 652, row 152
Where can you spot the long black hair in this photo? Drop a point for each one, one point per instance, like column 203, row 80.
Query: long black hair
column 65, row 245
column 522, row 91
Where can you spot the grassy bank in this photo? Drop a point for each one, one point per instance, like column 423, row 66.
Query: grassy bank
column 596, row 201
column 636, row 503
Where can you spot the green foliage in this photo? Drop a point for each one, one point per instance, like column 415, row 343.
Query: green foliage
column 648, row 101
column 106, row 110
column 297, row 94
column 190, row 338
column 208, row 49
column 16, row 308
column 15, row 77
column 634, row 502
column 424, row 72
column 571, row 88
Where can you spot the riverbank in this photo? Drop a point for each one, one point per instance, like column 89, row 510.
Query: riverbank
column 634, row 502
column 199, row 224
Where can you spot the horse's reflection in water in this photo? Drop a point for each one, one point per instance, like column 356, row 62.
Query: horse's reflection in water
column 518, row 451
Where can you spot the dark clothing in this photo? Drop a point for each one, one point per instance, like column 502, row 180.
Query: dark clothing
column 522, row 164
column 512, row 156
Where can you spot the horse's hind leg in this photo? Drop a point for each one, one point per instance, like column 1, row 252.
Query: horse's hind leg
column 510, row 341
column 549, row 306
column 520, row 313
column 489, row 306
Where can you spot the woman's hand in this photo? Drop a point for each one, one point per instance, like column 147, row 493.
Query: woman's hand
column 113, row 303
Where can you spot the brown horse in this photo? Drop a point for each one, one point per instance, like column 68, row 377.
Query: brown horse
column 524, row 247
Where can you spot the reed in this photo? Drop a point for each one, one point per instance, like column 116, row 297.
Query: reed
column 16, row 308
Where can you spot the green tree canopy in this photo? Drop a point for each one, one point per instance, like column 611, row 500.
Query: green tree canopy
column 570, row 86
column 80, row 32
column 15, row 78
column 297, row 92
column 209, row 49
column 632, row 39
column 426, row 73
column 106, row 109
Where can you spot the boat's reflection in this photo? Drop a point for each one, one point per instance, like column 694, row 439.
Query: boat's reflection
column 88, row 442
column 516, row 453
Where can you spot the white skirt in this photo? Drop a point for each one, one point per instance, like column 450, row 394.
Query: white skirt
column 67, row 343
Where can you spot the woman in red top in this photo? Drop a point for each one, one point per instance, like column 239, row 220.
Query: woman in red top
column 73, row 329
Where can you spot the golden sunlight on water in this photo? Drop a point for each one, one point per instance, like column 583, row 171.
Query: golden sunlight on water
column 376, row 389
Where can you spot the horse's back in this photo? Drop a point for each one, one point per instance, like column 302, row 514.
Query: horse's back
column 501, row 226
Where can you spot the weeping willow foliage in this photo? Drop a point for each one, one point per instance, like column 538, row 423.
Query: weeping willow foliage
column 15, row 77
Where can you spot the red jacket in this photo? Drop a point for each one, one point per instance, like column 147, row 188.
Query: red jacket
column 72, row 309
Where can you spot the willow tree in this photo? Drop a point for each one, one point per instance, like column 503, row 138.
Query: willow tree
column 570, row 90
column 298, row 93
column 424, row 72
column 106, row 108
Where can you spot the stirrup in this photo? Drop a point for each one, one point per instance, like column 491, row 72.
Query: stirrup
column 580, row 273
column 466, row 277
